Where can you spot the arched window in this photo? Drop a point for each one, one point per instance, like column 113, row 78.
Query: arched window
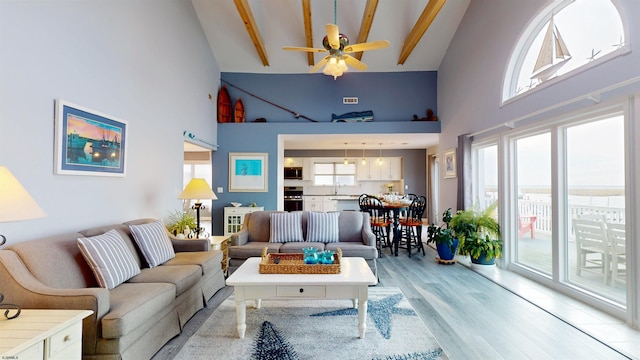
column 565, row 36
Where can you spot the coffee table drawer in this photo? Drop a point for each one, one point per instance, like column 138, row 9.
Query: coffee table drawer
column 301, row 291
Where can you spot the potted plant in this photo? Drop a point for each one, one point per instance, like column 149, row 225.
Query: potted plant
column 479, row 234
column 181, row 223
column 444, row 238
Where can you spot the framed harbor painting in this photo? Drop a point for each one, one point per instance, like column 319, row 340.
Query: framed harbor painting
column 248, row 172
column 450, row 163
column 88, row 142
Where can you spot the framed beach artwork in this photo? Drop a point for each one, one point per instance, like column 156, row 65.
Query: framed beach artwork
column 248, row 172
column 88, row 142
column 449, row 163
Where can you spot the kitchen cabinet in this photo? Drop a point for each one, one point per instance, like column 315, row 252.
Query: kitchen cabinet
column 373, row 170
column 320, row 203
column 293, row 162
column 329, row 204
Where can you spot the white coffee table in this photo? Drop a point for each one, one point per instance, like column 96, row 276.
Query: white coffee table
column 351, row 283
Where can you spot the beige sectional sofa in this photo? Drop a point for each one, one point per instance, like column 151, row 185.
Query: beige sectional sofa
column 134, row 319
column 354, row 238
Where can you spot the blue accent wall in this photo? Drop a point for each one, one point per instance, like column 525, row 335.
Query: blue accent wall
column 393, row 98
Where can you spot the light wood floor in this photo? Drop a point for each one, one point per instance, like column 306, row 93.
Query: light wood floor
column 470, row 316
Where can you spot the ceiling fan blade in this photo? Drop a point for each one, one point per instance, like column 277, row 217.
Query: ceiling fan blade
column 333, row 35
column 307, row 49
column 373, row 45
column 355, row 63
column 320, row 64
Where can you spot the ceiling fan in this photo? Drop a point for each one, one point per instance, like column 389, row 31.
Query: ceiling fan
column 339, row 49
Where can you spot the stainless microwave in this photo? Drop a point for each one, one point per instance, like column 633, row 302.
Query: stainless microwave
column 293, row 173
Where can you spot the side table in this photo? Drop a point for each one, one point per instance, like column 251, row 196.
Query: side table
column 43, row 334
column 221, row 242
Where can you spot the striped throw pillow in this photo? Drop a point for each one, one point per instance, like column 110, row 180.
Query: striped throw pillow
column 153, row 242
column 286, row 227
column 109, row 258
column 323, row 227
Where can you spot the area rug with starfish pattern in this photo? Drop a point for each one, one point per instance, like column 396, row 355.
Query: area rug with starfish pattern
column 316, row 329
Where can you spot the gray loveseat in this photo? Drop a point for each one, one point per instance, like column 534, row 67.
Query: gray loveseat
column 355, row 238
column 134, row 319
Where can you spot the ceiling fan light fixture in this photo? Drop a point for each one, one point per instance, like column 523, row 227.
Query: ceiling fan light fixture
column 335, row 67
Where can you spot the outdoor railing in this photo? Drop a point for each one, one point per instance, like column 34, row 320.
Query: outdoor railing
column 542, row 210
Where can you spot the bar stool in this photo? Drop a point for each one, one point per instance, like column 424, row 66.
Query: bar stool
column 380, row 221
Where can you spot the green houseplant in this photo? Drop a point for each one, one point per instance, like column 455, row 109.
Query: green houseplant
column 181, row 222
column 445, row 240
column 479, row 234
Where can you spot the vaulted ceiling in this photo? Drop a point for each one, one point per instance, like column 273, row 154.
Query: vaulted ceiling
column 248, row 35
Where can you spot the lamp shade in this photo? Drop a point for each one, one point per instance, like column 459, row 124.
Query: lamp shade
column 15, row 202
column 198, row 189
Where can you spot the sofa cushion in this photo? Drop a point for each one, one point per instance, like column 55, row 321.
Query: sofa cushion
column 253, row 249
column 109, row 258
column 209, row 261
column 182, row 276
column 286, row 227
column 353, row 249
column 134, row 304
column 323, row 227
column 296, row 247
column 154, row 242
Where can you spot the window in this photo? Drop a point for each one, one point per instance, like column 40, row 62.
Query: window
column 568, row 201
column 334, row 173
column 565, row 36
column 485, row 179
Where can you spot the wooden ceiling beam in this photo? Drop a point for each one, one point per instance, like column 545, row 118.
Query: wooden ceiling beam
column 254, row 33
column 429, row 13
column 365, row 26
column 306, row 15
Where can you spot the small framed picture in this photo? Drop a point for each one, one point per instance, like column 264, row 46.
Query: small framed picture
column 88, row 142
column 248, row 172
column 449, row 163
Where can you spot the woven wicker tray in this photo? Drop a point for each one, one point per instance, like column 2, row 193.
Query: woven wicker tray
column 294, row 264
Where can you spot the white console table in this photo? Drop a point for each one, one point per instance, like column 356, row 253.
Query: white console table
column 43, row 334
column 234, row 217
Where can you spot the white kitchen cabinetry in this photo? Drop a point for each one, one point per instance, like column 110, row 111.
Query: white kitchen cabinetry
column 293, row 162
column 320, row 203
column 234, row 218
column 312, row 203
column 307, row 169
column 373, row 170
column 328, row 204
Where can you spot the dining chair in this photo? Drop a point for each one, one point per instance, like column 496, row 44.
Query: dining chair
column 411, row 225
column 617, row 239
column 380, row 220
column 592, row 246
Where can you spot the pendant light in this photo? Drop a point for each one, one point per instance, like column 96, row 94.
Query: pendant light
column 380, row 157
column 346, row 161
column 364, row 161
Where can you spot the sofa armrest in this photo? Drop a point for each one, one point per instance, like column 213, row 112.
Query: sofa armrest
column 240, row 238
column 368, row 237
column 181, row 245
column 20, row 287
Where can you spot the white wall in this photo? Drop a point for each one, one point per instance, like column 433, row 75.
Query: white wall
column 471, row 75
column 143, row 61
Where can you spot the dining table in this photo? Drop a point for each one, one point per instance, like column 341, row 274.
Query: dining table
column 394, row 208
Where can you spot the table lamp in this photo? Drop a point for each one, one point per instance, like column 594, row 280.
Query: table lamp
column 15, row 205
column 197, row 189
